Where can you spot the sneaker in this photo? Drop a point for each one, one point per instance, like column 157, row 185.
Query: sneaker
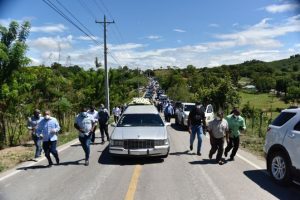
column 221, row 162
column 198, row 153
column 231, row 158
column 191, row 147
column 50, row 165
column 86, row 163
column 57, row 161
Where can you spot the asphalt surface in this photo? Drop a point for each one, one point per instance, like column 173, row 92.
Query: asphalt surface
column 183, row 175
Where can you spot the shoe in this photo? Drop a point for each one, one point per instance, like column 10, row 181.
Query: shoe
column 221, row 162
column 225, row 154
column 231, row 158
column 50, row 165
column 198, row 153
column 57, row 161
column 191, row 147
column 108, row 139
column 86, row 163
column 209, row 156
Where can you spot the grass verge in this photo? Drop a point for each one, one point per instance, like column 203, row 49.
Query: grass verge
column 12, row 156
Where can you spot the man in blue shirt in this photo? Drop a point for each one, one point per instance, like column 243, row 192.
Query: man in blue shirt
column 84, row 123
column 32, row 126
column 169, row 111
column 48, row 129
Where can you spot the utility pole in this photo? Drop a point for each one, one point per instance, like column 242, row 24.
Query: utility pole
column 105, row 64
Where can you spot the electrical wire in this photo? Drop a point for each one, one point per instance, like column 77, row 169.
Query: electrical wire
column 57, row 10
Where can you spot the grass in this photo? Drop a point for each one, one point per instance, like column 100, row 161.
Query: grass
column 262, row 101
column 267, row 103
column 10, row 157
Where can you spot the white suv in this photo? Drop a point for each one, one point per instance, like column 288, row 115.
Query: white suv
column 282, row 147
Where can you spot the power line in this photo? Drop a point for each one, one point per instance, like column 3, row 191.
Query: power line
column 54, row 7
column 89, row 11
column 75, row 18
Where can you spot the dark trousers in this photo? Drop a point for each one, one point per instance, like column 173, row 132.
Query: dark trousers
column 104, row 129
column 93, row 134
column 233, row 143
column 217, row 144
column 116, row 118
column 50, row 147
column 168, row 117
column 38, row 145
column 85, row 142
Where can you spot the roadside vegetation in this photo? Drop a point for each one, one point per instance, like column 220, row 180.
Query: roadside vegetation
column 63, row 89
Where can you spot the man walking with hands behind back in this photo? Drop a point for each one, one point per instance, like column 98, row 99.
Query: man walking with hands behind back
column 84, row 123
column 236, row 123
column 218, row 129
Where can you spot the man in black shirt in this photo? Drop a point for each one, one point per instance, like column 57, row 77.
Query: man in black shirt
column 196, row 125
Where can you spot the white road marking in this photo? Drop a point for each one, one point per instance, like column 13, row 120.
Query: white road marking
column 244, row 159
column 64, row 147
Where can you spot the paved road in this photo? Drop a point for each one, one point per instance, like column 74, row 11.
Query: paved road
column 183, row 175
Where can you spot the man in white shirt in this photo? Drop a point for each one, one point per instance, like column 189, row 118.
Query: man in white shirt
column 84, row 123
column 116, row 112
column 218, row 129
column 94, row 114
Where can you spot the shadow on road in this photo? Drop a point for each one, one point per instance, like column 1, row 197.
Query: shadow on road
column 33, row 167
column 187, row 152
column 76, row 162
column 106, row 159
column 179, row 128
column 261, row 178
column 206, row 162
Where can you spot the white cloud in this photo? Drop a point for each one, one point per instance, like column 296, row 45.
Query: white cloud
column 86, row 38
column 153, row 37
column 214, row 25
column 276, row 8
column 49, row 28
column 179, row 30
column 260, row 41
column 50, row 43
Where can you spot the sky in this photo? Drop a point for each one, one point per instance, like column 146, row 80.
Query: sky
column 158, row 33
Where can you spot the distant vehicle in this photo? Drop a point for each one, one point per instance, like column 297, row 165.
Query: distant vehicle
column 184, row 111
column 163, row 97
column 282, row 147
column 140, row 132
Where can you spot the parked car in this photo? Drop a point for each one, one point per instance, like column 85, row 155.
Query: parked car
column 184, row 111
column 140, row 132
column 282, row 147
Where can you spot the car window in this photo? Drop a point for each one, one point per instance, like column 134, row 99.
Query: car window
column 283, row 118
column 209, row 109
column 297, row 126
column 140, row 120
column 188, row 107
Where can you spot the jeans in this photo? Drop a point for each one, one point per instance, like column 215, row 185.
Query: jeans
column 38, row 145
column 85, row 143
column 217, row 144
column 50, row 147
column 235, row 143
column 196, row 130
column 104, row 129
